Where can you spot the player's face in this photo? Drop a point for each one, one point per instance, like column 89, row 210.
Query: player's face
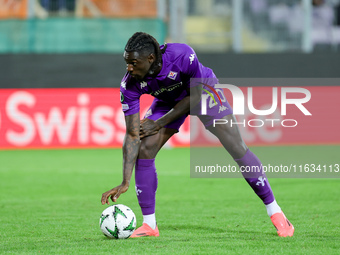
column 138, row 64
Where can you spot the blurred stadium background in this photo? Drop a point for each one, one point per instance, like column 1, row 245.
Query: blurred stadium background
column 73, row 26
column 37, row 36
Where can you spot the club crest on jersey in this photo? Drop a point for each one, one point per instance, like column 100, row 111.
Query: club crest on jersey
column 172, row 75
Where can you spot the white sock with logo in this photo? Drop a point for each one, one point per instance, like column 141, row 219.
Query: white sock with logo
column 273, row 208
column 150, row 219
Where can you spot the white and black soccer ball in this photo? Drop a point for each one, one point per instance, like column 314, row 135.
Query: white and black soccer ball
column 117, row 221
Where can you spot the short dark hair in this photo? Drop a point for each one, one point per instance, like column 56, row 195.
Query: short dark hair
column 145, row 43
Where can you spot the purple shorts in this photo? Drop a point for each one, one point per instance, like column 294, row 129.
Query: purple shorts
column 214, row 111
column 158, row 109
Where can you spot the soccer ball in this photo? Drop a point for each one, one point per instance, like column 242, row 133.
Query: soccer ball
column 117, row 221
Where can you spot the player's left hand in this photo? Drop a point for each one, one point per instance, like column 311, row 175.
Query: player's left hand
column 148, row 127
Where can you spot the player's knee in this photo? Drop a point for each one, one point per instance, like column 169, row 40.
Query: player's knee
column 147, row 150
column 238, row 150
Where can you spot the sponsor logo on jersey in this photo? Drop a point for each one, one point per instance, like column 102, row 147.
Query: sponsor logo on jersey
column 123, row 85
column 166, row 89
column 143, row 84
column 125, row 107
column 172, row 75
column 191, row 58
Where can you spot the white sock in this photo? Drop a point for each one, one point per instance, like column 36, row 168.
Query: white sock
column 273, row 208
column 150, row 219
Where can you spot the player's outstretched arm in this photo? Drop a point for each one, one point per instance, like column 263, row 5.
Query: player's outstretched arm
column 130, row 152
column 148, row 127
column 182, row 107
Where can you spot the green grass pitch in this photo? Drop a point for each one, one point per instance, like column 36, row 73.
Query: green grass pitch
column 50, row 204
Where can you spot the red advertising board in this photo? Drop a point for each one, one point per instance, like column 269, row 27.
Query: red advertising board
column 79, row 117
column 58, row 118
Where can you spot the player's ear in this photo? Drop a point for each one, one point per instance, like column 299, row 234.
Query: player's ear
column 151, row 58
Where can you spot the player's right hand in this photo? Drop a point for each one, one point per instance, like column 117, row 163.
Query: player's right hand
column 148, row 127
column 114, row 193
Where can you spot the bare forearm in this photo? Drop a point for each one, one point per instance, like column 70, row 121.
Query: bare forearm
column 130, row 152
column 131, row 146
column 181, row 108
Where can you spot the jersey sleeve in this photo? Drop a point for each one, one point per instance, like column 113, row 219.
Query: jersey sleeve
column 191, row 66
column 129, row 97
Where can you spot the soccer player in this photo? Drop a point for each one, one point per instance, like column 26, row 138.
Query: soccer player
column 165, row 72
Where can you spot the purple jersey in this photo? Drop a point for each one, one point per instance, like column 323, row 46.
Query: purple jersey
column 180, row 63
